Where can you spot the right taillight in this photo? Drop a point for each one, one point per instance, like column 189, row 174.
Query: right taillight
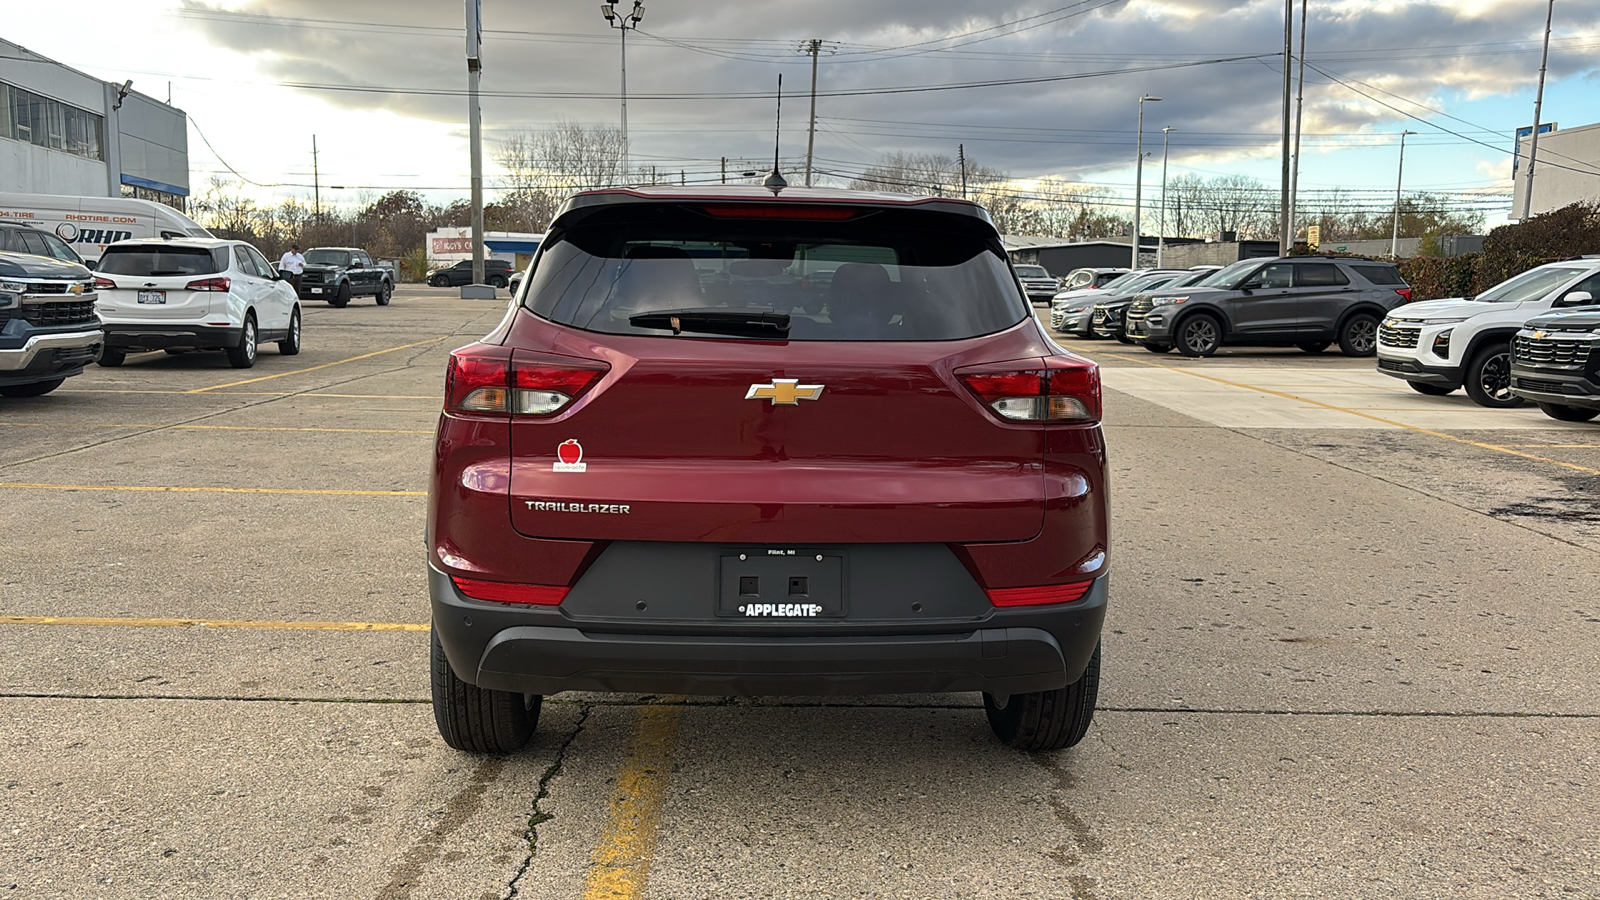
column 1404, row 292
column 208, row 284
column 1062, row 390
column 489, row 380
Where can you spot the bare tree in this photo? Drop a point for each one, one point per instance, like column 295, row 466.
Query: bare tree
column 542, row 167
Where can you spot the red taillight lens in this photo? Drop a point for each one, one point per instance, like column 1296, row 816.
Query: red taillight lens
column 1039, row 596
column 769, row 211
column 207, row 284
column 1404, row 292
column 1063, row 389
column 104, row 284
column 506, row 592
column 496, row 381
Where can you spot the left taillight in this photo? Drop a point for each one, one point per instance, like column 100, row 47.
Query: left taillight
column 488, row 380
column 208, row 284
column 508, row 592
column 1054, row 389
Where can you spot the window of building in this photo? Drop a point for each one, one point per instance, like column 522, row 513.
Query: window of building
column 45, row 122
column 176, row 201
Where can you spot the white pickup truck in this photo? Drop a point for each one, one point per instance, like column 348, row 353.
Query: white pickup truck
column 1441, row 345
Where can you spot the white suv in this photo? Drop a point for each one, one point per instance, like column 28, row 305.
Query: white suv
column 1440, row 345
column 193, row 294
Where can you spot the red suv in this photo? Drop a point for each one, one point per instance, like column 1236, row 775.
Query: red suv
column 737, row 442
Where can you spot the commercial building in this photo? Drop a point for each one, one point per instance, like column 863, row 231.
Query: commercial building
column 450, row 245
column 1566, row 170
column 65, row 132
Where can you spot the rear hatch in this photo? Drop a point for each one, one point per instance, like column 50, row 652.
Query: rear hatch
column 854, row 426
column 159, row 282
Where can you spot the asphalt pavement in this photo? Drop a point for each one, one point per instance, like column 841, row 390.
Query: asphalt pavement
column 1350, row 652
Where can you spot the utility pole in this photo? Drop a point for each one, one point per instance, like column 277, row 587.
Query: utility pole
column 316, row 183
column 475, row 133
column 1161, row 239
column 724, row 170
column 1138, row 176
column 1394, row 241
column 1299, row 117
column 813, row 47
column 1538, row 104
column 961, row 154
column 1285, row 239
column 624, row 22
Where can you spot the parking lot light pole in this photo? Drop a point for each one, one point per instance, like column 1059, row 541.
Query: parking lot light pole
column 1138, row 177
column 623, row 22
column 1400, row 176
column 1161, row 238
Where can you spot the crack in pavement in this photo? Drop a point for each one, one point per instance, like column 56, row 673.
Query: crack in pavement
column 538, row 817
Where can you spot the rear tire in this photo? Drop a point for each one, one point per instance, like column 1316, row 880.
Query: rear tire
column 1358, row 336
column 385, row 291
column 1432, row 390
column 1568, row 413
column 1314, row 346
column 499, row 282
column 111, row 358
column 1488, row 380
column 36, row 389
column 1047, row 720
column 290, row 346
column 476, row 720
column 1199, row 335
column 243, row 356
column 341, row 297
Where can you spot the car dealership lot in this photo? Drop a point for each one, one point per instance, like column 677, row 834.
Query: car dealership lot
column 1349, row 653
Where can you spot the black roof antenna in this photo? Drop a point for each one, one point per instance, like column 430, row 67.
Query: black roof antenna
column 775, row 182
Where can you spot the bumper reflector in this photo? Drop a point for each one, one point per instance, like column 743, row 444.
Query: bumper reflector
column 1038, row 596
column 506, row 592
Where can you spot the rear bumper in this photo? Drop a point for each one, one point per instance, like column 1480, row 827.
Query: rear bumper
column 28, row 354
column 1411, row 370
column 162, row 337
column 543, row 651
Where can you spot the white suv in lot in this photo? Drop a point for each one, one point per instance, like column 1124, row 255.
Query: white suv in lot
column 193, row 294
column 1441, row 345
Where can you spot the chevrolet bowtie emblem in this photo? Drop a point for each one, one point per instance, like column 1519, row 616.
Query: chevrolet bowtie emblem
column 75, row 289
column 1538, row 334
column 784, row 392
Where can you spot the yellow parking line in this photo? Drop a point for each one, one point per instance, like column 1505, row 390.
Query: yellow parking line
column 315, row 368
column 621, row 861
column 211, row 427
column 1558, row 446
column 1356, row 412
column 271, row 624
column 167, row 489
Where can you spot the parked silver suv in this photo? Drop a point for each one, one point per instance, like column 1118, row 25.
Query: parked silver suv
column 1308, row 302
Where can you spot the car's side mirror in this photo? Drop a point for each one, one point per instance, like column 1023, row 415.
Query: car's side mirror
column 1575, row 298
column 1253, row 284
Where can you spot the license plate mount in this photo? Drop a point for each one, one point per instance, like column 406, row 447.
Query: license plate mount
column 153, row 297
column 788, row 584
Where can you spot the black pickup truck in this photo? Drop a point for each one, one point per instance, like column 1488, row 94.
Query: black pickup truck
column 336, row 274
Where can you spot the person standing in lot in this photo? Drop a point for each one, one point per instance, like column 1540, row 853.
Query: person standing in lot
column 294, row 264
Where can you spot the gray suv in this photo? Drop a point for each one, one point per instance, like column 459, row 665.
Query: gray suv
column 1309, row 302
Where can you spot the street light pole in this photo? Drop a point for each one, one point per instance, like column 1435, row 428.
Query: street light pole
column 475, row 132
column 1285, row 239
column 1394, row 241
column 1138, row 176
column 1161, row 239
column 1538, row 103
column 624, row 22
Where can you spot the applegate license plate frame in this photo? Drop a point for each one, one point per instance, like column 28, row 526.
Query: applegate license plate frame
column 822, row 594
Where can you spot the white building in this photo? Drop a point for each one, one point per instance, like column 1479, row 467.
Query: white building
column 64, row 132
column 449, row 245
column 1566, row 171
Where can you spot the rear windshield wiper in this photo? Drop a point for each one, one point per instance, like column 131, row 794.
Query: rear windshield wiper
column 737, row 322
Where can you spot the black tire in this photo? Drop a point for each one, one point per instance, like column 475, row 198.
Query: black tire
column 243, row 355
column 111, row 358
column 341, row 297
column 499, row 281
column 175, row 351
column 1122, row 338
column 1315, row 346
column 1568, row 413
column 477, row 720
column 1047, row 720
column 1158, row 348
column 1199, row 335
column 385, row 291
column 1432, row 390
column 35, row 389
column 436, row 282
column 1358, row 336
column 1488, row 380
column 290, row 346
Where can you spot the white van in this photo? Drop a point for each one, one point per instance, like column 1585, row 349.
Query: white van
column 90, row 223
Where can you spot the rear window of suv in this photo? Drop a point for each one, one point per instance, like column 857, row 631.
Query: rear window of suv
column 886, row 275
column 163, row 260
column 1380, row 274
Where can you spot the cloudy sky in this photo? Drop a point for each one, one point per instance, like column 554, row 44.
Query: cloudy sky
column 381, row 82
